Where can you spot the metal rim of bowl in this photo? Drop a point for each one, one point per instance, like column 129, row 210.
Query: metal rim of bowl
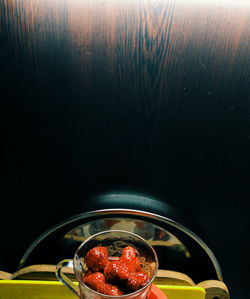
column 129, row 212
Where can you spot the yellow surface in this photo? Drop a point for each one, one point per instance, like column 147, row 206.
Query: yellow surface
column 182, row 292
column 23, row 289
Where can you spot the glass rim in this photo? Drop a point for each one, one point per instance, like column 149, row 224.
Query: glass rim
column 162, row 221
column 128, row 233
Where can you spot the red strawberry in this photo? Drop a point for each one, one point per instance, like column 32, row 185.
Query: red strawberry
column 137, row 281
column 96, row 259
column 112, row 290
column 94, row 279
column 116, row 271
column 130, row 259
column 88, row 273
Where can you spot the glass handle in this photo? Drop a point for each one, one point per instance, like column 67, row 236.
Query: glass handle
column 64, row 279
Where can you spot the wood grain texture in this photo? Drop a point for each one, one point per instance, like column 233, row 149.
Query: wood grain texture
column 215, row 289
column 134, row 54
column 4, row 275
column 41, row 272
column 146, row 95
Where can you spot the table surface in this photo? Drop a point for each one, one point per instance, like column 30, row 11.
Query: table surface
column 146, row 96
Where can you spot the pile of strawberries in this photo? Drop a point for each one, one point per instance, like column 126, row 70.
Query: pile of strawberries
column 114, row 276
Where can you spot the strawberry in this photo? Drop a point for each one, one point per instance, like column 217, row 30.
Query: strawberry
column 116, row 271
column 129, row 258
column 96, row 259
column 125, row 272
column 96, row 281
column 112, row 290
column 137, row 281
column 92, row 280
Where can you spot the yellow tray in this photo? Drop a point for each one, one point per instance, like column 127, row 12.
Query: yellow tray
column 31, row 289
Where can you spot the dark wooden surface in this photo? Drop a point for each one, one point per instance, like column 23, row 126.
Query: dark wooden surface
column 143, row 96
